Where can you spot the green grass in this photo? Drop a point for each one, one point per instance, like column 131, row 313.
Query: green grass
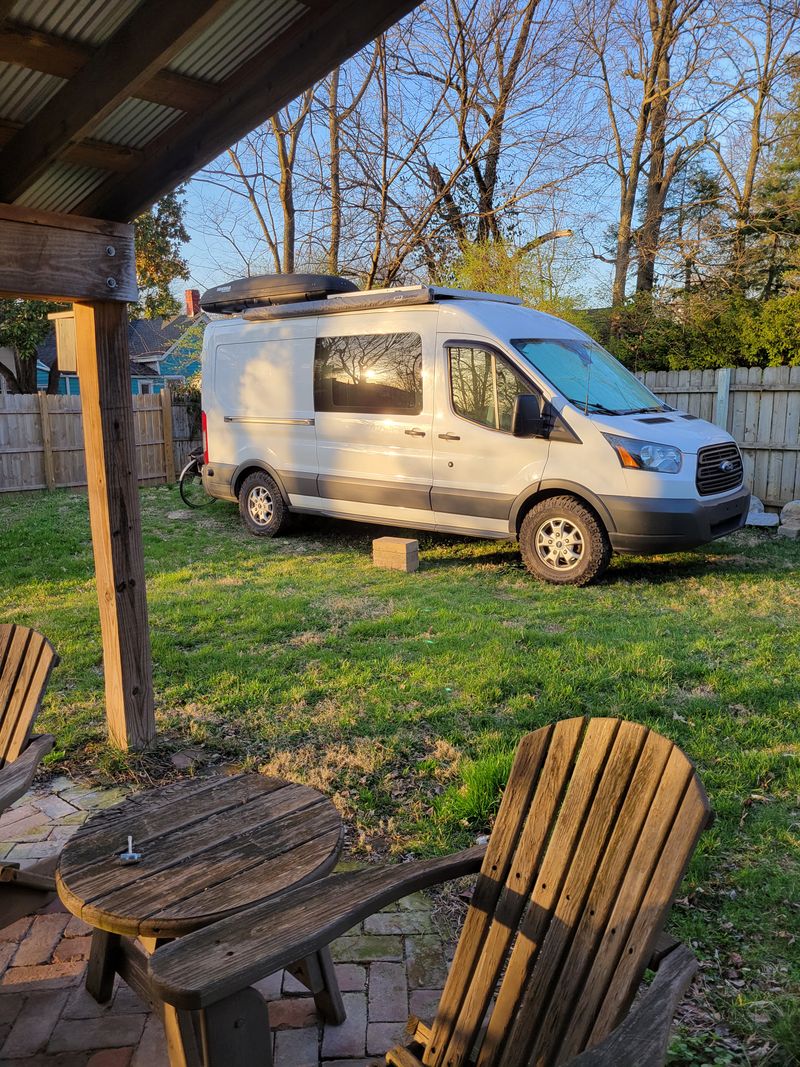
column 403, row 695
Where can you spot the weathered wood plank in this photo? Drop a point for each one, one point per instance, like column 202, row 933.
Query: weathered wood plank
column 101, row 331
column 643, row 1037
column 467, row 993
column 60, row 257
column 597, row 744
column 272, row 935
column 47, row 440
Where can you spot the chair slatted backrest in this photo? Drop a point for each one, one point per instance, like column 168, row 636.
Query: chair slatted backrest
column 596, row 827
column 26, row 659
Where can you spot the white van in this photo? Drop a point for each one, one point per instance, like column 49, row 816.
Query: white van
column 461, row 412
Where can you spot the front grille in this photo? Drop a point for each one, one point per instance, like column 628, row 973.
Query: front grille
column 711, row 478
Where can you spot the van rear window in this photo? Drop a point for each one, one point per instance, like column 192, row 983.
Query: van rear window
column 371, row 374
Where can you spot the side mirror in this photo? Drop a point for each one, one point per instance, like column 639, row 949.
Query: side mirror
column 526, row 420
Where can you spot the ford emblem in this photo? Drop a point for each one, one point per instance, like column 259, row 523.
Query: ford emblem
column 727, row 466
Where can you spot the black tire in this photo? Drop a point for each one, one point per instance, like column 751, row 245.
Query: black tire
column 563, row 542
column 191, row 487
column 261, row 505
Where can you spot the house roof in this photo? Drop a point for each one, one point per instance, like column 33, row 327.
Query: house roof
column 147, row 339
column 105, row 105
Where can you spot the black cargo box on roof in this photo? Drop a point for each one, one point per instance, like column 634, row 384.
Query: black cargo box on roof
column 266, row 289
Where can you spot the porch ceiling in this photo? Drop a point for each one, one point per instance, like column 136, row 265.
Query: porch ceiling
column 105, row 105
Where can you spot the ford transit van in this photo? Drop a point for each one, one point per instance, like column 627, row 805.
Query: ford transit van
column 461, row 412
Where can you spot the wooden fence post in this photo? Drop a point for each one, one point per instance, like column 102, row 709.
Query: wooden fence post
column 169, row 444
column 724, row 376
column 47, row 441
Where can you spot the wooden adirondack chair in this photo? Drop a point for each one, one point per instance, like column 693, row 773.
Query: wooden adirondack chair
column 26, row 660
column 596, row 827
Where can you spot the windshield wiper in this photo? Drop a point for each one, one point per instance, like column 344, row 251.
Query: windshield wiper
column 643, row 411
column 601, row 409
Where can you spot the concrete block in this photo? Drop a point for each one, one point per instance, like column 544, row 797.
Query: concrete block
column 396, row 553
column 790, row 532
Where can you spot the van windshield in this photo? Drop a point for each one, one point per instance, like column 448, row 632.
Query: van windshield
column 588, row 376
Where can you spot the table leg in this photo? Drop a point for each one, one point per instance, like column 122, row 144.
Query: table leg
column 101, row 970
column 318, row 975
column 235, row 1031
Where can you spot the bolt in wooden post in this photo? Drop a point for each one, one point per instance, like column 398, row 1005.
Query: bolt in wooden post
column 101, row 331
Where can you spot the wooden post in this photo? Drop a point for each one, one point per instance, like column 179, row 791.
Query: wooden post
column 101, row 331
column 724, row 376
column 169, row 445
column 47, row 441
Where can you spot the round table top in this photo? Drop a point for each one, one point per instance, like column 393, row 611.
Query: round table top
column 209, row 847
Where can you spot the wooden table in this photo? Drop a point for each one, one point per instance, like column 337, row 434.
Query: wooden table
column 210, row 847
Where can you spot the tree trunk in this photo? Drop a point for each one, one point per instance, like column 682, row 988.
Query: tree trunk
column 25, row 371
column 334, row 174
column 650, row 230
column 53, row 378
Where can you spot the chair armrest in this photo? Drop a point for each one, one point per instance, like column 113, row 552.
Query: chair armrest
column 229, row 955
column 643, row 1035
column 15, row 777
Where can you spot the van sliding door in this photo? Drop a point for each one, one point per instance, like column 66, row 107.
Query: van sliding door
column 373, row 409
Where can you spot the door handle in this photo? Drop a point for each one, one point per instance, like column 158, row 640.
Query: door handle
column 415, row 433
column 449, row 437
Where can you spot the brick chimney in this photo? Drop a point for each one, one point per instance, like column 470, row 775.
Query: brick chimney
column 192, row 302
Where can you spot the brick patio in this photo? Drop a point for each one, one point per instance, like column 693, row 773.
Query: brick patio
column 393, row 965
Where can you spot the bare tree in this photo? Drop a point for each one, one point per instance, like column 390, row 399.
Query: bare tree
column 761, row 36
column 646, row 55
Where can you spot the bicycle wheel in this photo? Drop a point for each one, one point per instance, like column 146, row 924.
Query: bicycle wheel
column 191, row 486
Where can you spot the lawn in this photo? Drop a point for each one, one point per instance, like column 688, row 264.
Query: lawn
column 404, row 695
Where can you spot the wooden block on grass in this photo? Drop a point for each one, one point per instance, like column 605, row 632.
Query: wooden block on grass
column 396, row 553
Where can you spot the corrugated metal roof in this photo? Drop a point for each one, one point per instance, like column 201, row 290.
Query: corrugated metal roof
column 248, row 26
column 24, row 92
column 215, row 57
column 62, row 187
column 135, row 122
column 88, row 21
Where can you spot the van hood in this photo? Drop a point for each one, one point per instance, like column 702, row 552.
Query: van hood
column 686, row 432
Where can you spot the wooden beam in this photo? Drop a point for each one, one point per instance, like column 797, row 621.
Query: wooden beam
column 303, row 54
column 101, row 331
column 89, row 153
column 64, row 257
column 53, row 55
column 153, row 35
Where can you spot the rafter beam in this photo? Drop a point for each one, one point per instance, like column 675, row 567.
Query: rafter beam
column 89, row 153
column 48, row 54
column 153, row 35
column 303, row 54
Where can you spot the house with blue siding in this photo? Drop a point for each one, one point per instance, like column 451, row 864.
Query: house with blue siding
column 162, row 350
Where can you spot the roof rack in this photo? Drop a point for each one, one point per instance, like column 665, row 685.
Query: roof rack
column 371, row 300
column 232, row 298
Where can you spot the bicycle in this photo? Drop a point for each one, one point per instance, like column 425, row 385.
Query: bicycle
column 191, row 482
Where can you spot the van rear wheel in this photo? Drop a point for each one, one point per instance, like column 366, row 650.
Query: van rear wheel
column 563, row 542
column 261, row 505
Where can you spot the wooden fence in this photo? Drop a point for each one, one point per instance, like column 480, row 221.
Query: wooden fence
column 41, row 440
column 41, row 437
column 759, row 407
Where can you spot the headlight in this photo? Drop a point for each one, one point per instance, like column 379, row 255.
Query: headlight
column 645, row 455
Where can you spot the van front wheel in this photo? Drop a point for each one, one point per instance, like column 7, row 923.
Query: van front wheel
column 563, row 542
column 261, row 505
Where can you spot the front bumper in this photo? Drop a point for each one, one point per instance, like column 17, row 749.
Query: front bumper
column 646, row 525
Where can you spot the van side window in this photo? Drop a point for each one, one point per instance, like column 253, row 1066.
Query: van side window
column 483, row 387
column 372, row 374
